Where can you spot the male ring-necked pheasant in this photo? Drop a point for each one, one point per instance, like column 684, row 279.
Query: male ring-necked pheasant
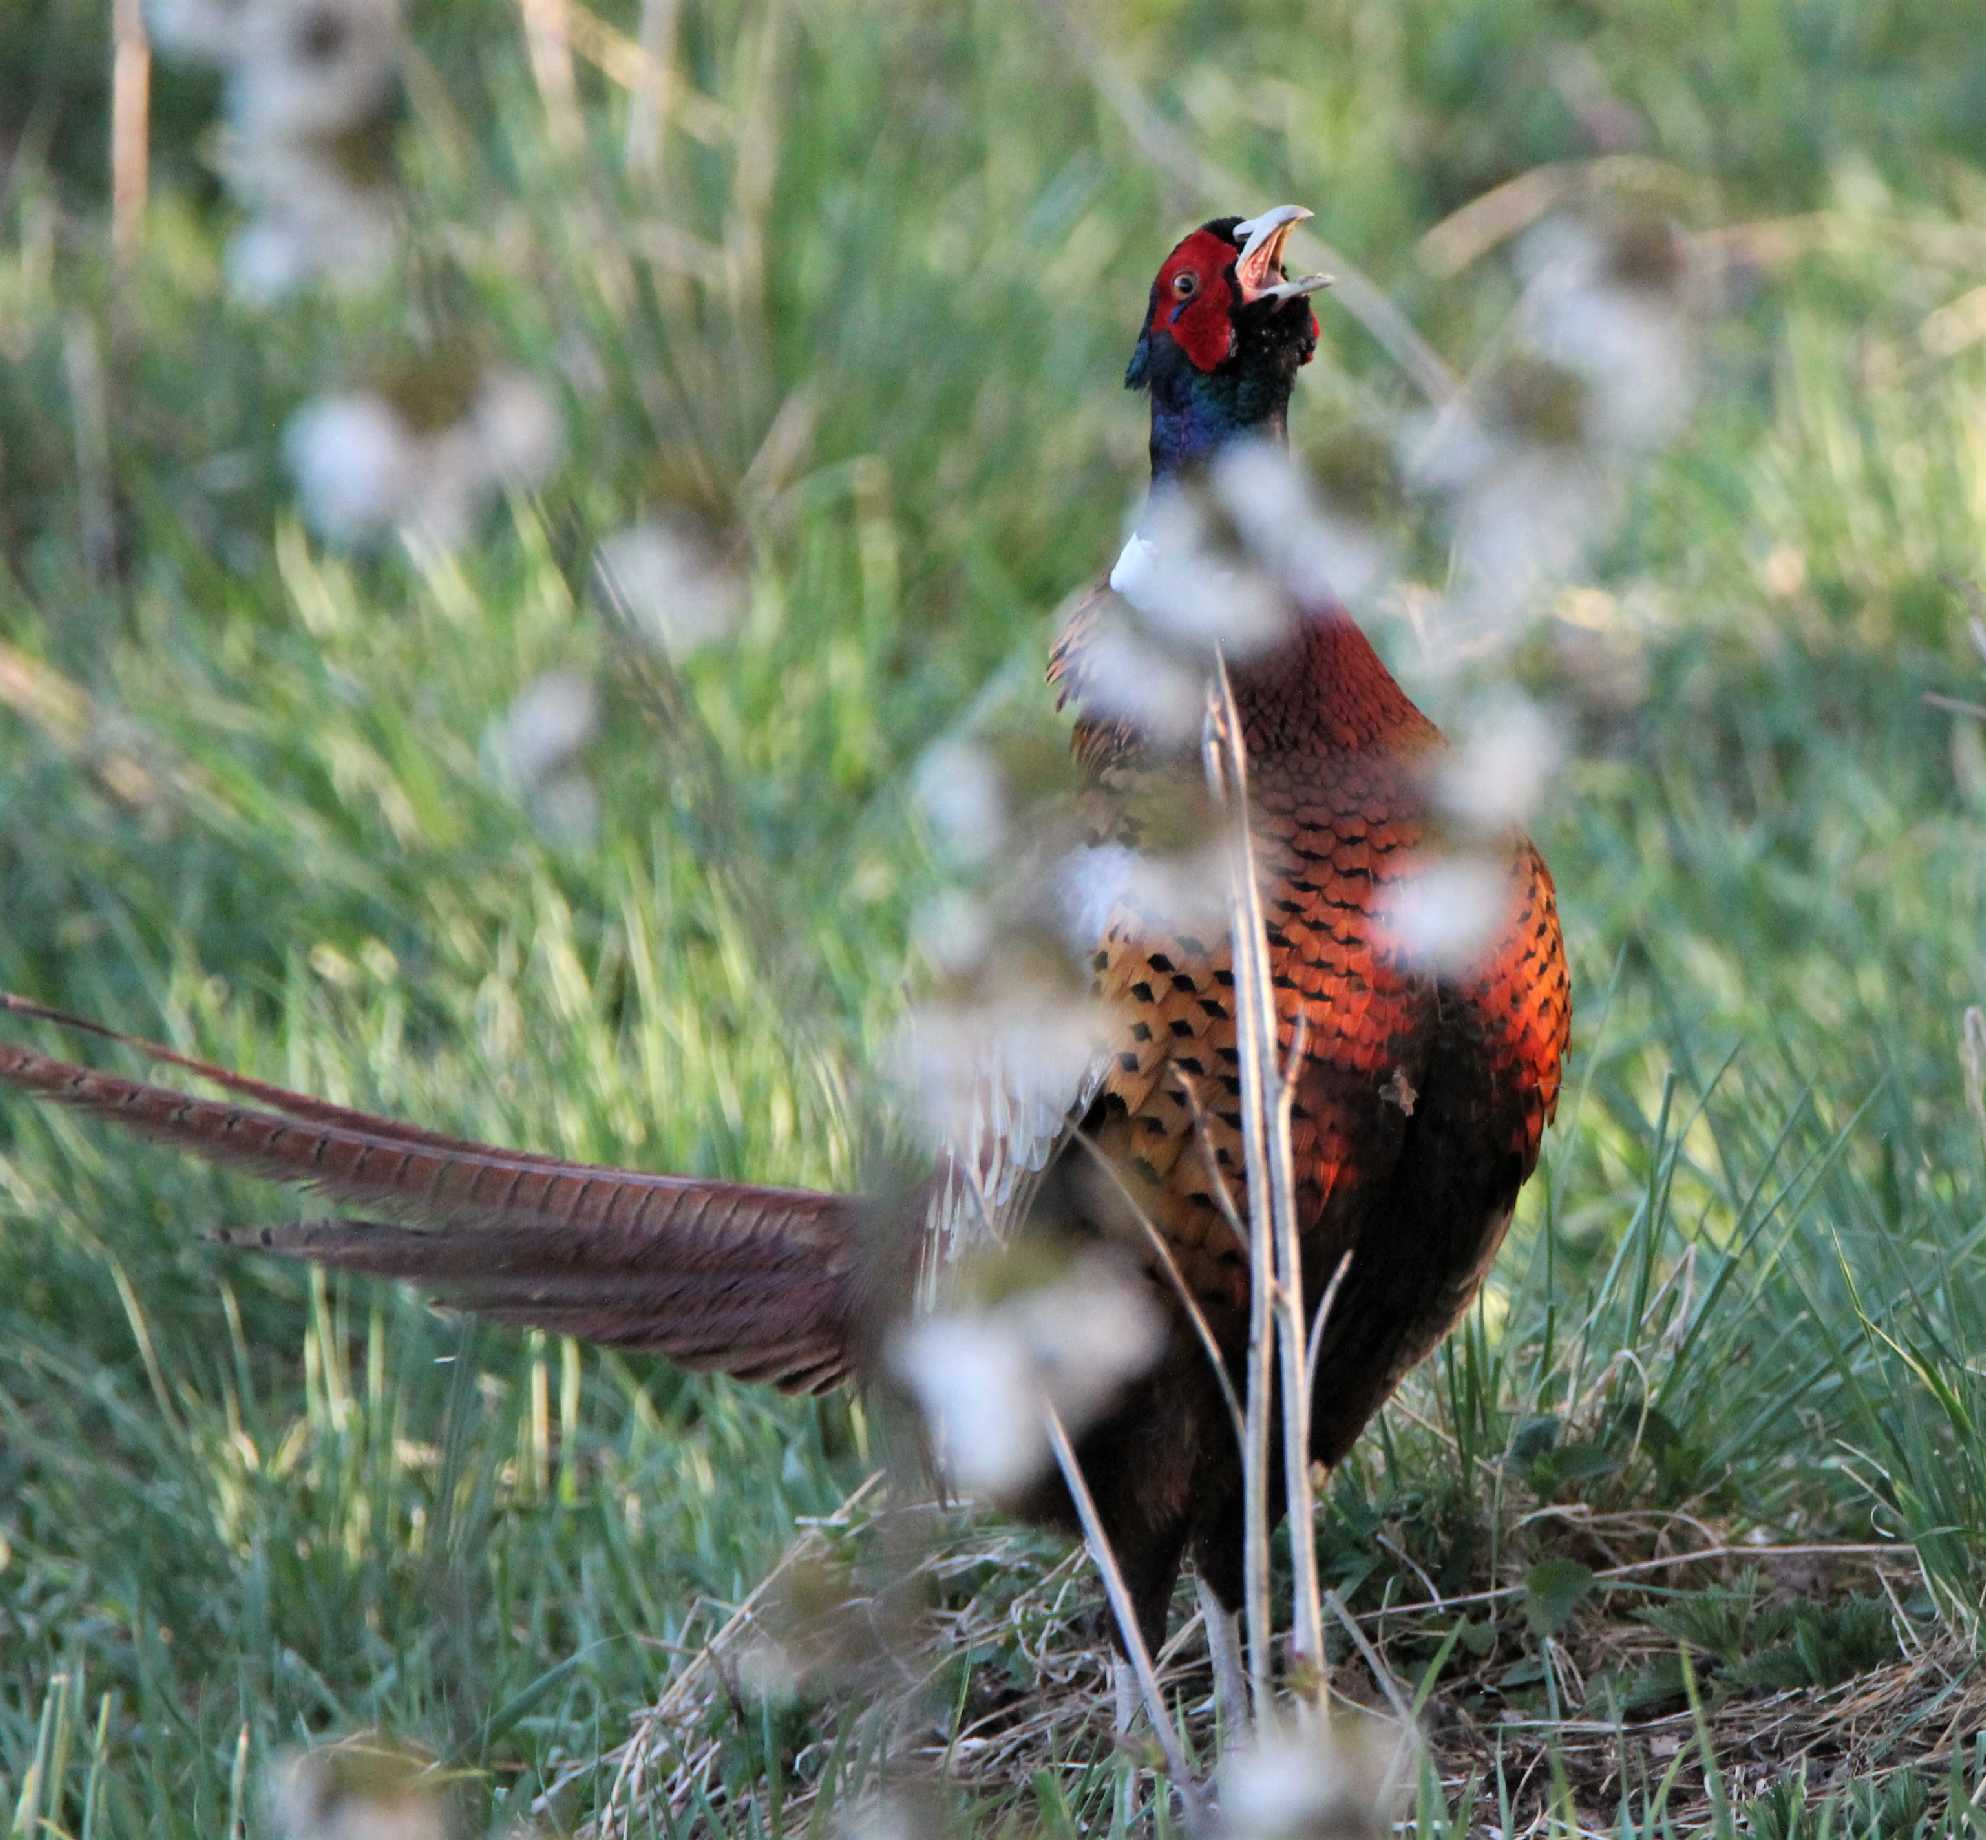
column 1420, row 1096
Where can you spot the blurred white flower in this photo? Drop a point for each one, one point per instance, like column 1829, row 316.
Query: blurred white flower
column 1321, row 1783
column 1184, row 588
column 1319, row 552
column 1444, row 915
column 957, row 786
column 361, row 471
column 1526, row 497
column 1011, row 1065
column 883, row 1817
column 1611, row 302
column 566, row 808
column 355, row 1793
column 355, row 464
column 981, row 1377
column 545, row 728
column 769, row 1670
column 1533, row 466
column 513, row 430
column 1505, row 755
column 534, row 750
column 197, row 31
column 312, row 70
column 952, row 931
column 1128, row 677
column 308, row 221
column 675, row 587
column 1186, row 893
column 1523, row 525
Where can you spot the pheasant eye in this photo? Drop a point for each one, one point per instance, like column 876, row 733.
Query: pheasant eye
column 1185, row 285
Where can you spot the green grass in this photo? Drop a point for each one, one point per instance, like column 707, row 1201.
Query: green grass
column 241, row 1509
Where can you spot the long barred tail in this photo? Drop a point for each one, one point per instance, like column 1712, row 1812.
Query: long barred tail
column 760, row 1283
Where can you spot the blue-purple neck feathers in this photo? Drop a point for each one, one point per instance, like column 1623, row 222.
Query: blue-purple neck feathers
column 1196, row 413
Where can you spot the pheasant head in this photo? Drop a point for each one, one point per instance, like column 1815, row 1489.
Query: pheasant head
column 1223, row 339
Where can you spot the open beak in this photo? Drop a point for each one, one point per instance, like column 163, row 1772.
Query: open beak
column 1259, row 267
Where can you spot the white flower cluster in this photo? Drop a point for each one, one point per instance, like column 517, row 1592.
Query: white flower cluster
column 1507, row 750
column 1310, row 1782
column 1230, row 565
column 672, row 583
column 535, row 749
column 982, row 1377
column 1532, row 465
column 1013, row 1061
column 364, row 469
column 310, row 87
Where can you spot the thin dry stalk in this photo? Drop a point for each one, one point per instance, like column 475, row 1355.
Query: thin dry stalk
column 1294, row 1361
column 1276, row 1262
column 548, row 43
column 1104, row 1558
column 648, row 97
column 130, row 126
column 1221, row 752
column 82, row 364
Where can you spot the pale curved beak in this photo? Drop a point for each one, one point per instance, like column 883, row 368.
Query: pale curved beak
column 1259, row 267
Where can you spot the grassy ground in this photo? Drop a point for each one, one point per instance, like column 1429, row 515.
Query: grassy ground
column 871, row 312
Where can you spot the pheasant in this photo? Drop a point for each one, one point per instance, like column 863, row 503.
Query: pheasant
column 1420, row 1094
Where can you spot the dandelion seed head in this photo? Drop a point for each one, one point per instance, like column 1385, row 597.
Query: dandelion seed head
column 1012, row 1064
column 882, row 1817
column 953, row 932
column 1325, row 1784
column 566, row 808
column 1518, row 528
column 971, row 1382
column 515, row 429
column 197, row 31
column 312, row 70
column 1183, row 893
column 545, row 728
column 982, row 1376
column 1445, row 915
column 1189, row 588
column 677, row 590
column 355, row 1792
column 958, row 787
column 314, row 225
column 361, row 470
column 354, row 464
column 768, row 1670
column 1507, row 751
column 1609, row 302
column 1319, row 549
column 1128, row 677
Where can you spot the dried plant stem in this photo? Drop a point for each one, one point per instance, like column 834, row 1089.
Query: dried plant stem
column 1223, row 758
column 130, row 126
column 548, row 44
column 1275, row 1239
column 1104, row 1558
column 1292, row 1335
column 648, row 97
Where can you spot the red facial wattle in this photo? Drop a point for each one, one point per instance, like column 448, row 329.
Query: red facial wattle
column 1200, row 321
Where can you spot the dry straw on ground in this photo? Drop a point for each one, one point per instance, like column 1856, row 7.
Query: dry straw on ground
column 1004, row 1596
